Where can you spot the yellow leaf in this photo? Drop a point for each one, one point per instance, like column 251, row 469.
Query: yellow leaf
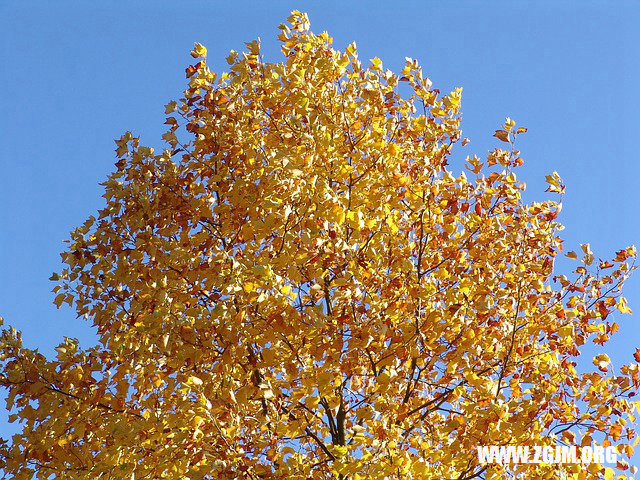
column 392, row 150
column 198, row 51
column 392, row 224
column 351, row 49
column 622, row 306
column 323, row 379
column 609, row 474
column 555, row 183
column 566, row 331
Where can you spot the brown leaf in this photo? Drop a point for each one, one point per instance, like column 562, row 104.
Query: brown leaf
column 502, row 135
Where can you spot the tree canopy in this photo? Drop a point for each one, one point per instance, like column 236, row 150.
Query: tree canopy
column 300, row 286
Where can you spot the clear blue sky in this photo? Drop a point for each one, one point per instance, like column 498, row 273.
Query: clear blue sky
column 74, row 76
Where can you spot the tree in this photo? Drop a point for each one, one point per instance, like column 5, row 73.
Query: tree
column 299, row 286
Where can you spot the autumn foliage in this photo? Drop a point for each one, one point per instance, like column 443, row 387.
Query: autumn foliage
column 300, row 286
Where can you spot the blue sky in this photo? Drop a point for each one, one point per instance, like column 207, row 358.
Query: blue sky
column 75, row 76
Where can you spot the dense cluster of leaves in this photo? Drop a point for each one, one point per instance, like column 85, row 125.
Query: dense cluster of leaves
column 298, row 287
